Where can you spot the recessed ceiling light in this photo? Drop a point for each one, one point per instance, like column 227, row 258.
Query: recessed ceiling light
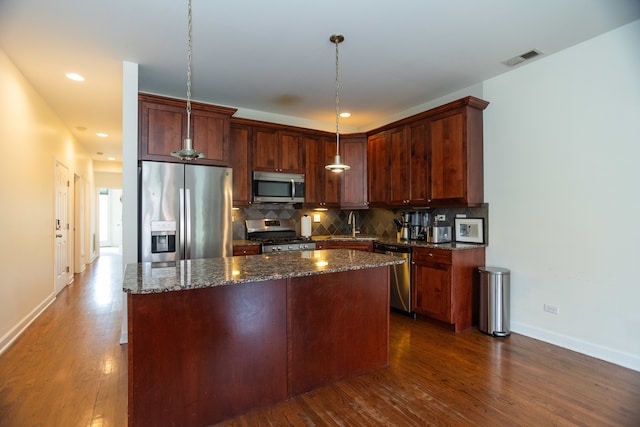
column 345, row 114
column 74, row 76
column 102, row 135
column 111, row 158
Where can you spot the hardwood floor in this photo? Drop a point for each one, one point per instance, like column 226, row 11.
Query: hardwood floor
column 68, row 369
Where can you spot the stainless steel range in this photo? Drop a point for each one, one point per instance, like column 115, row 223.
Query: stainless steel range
column 277, row 235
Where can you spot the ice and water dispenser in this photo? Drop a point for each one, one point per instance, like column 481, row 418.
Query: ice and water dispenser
column 163, row 236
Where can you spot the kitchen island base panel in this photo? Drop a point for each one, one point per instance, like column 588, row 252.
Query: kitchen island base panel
column 204, row 355
column 197, row 357
column 339, row 329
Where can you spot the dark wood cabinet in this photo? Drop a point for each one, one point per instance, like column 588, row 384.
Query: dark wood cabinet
column 360, row 245
column 378, row 170
column 399, row 173
column 444, row 284
column 277, row 150
column 432, row 159
column 163, row 126
column 417, row 163
column 322, row 187
column 240, row 136
column 239, row 250
column 456, row 154
column 398, row 157
column 353, row 194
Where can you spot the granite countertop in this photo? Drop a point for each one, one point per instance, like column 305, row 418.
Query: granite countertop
column 145, row 278
column 452, row 246
column 343, row 238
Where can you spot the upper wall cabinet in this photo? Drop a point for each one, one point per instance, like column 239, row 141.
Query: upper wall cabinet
column 378, row 170
column 431, row 159
column 398, row 159
column 277, row 150
column 241, row 163
column 322, row 186
column 163, row 126
column 353, row 194
column 456, row 153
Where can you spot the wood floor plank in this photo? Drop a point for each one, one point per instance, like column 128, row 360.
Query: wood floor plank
column 68, row 369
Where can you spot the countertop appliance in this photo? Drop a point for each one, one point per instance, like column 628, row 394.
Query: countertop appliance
column 277, row 235
column 405, row 230
column 439, row 234
column 400, row 276
column 277, row 187
column 185, row 212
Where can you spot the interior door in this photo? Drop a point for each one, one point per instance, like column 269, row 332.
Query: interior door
column 61, row 227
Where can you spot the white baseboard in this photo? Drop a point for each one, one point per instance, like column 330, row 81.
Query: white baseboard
column 18, row 329
column 627, row 360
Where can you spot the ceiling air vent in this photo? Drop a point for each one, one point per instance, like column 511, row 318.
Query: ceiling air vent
column 522, row 57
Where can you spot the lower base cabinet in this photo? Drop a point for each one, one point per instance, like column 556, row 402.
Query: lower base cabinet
column 445, row 285
column 365, row 245
column 239, row 250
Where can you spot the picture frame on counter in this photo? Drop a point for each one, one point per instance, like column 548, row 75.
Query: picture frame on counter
column 469, row 230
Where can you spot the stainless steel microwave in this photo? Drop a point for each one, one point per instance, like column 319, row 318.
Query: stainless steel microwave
column 278, row 187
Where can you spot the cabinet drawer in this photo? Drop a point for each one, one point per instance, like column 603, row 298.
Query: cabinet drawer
column 246, row 250
column 431, row 255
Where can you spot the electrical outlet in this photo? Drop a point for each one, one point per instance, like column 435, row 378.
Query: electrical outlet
column 316, row 217
column 441, row 217
column 551, row 309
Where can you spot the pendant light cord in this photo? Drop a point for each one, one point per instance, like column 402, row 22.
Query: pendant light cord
column 337, row 42
column 189, row 72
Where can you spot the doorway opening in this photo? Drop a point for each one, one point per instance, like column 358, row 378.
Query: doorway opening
column 110, row 214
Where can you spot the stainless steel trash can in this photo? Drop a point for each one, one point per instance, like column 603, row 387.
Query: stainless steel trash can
column 494, row 312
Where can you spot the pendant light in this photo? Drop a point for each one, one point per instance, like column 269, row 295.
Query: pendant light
column 337, row 165
column 188, row 153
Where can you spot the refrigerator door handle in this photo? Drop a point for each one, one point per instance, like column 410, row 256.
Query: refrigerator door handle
column 187, row 228
column 181, row 226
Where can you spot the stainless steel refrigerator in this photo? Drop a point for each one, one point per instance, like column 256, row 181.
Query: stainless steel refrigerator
column 185, row 212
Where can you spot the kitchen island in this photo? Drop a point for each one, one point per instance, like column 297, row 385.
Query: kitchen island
column 213, row 338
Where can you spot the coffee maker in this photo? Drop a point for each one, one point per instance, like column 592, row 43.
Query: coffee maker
column 405, row 231
column 417, row 225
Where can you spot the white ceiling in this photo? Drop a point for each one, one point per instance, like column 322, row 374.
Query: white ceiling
column 275, row 56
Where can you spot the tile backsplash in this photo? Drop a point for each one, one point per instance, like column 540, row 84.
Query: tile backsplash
column 370, row 222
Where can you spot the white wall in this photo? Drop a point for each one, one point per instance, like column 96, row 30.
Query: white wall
column 129, row 174
column 562, row 178
column 32, row 137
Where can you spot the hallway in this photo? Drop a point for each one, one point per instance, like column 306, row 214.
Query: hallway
column 68, row 368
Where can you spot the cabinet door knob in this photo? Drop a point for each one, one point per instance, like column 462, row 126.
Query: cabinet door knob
column 430, row 254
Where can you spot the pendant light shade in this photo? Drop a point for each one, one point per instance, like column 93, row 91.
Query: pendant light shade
column 337, row 165
column 188, row 153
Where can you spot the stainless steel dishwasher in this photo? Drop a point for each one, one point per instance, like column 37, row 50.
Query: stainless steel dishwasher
column 400, row 280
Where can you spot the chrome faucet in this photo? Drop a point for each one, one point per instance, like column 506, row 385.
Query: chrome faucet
column 351, row 220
